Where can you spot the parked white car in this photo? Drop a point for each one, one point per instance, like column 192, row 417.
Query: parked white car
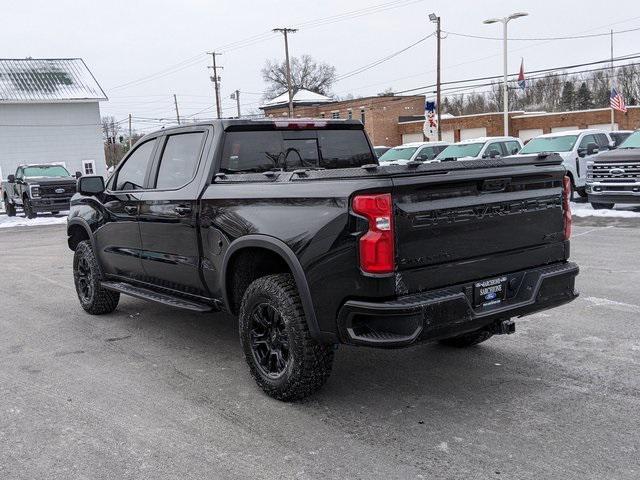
column 482, row 147
column 576, row 147
column 418, row 151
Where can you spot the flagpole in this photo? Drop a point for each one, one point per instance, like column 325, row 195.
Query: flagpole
column 611, row 82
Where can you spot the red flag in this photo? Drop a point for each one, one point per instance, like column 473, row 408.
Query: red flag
column 522, row 83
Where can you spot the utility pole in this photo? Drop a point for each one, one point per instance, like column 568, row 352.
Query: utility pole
column 236, row 96
column 285, row 31
column 611, row 81
column 175, row 101
column 436, row 19
column 129, row 132
column 215, row 79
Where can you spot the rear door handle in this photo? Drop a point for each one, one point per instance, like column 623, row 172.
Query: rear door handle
column 131, row 209
column 183, row 210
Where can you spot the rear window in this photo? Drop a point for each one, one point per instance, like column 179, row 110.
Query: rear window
column 259, row 151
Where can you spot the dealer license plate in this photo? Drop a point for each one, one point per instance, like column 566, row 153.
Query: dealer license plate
column 489, row 292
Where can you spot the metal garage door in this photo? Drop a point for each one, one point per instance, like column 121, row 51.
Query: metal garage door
column 448, row 136
column 527, row 134
column 604, row 126
column 412, row 137
column 562, row 129
column 466, row 133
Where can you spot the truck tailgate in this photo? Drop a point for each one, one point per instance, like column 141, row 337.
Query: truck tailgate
column 468, row 225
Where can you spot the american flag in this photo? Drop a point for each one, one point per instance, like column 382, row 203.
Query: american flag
column 616, row 101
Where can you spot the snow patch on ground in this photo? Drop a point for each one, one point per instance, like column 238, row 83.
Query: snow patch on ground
column 585, row 210
column 20, row 221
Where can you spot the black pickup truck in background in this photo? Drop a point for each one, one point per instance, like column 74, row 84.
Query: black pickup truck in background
column 294, row 227
column 38, row 188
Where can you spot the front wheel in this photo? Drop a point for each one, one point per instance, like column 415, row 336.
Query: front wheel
column 602, row 206
column 28, row 209
column 283, row 358
column 468, row 339
column 87, row 276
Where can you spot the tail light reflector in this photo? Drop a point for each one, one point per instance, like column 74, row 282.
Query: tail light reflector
column 377, row 252
column 566, row 206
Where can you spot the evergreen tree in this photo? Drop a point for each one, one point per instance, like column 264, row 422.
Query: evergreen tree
column 583, row 97
column 567, row 98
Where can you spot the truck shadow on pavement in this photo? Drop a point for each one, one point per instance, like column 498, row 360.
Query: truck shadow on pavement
column 386, row 380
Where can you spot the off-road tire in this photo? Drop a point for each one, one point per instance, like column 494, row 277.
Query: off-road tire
column 98, row 300
column 468, row 339
column 28, row 210
column 602, row 206
column 309, row 363
column 10, row 208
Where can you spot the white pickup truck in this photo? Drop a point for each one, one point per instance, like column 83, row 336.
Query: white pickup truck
column 576, row 147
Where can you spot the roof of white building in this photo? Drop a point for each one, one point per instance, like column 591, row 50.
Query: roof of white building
column 47, row 80
column 301, row 96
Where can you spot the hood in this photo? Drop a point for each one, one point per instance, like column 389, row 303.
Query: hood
column 619, row 154
column 50, row 181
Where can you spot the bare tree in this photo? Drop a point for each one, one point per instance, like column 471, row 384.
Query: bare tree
column 306, row 73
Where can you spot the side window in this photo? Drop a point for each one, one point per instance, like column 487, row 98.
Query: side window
column 586, row 140
column 179, row 160
column 19, row 173
column 493, row 150
column 603, row 141
column 427, row 153
column 131, row 175
column 512, row 147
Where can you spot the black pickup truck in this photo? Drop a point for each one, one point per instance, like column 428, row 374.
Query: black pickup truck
column 293, row 227
column 38, row 188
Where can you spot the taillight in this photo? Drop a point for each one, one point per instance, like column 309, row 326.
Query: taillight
column 377, row 245
column 566, row 206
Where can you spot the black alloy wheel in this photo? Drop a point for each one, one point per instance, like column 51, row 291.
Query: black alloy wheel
column 269, row 341
column 84, row 280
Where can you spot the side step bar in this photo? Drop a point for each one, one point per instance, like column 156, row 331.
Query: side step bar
column 146, row 294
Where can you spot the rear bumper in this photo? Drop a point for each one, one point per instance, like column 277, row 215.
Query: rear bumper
column 50, row 204
column 449, row 311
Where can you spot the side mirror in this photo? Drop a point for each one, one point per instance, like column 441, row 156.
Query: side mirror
column 612, row 145
column 78, row 174
column 90, row 185
column 11, row 178
column 592, row 149
column 494, row 154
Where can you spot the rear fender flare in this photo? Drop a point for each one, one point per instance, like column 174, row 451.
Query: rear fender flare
column 280, row 248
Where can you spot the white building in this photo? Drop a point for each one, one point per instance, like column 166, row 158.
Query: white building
column 50, row 113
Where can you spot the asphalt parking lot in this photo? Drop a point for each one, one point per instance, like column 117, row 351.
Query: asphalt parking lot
column 151, row 392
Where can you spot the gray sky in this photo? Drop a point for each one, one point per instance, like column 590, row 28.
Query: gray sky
column 125, row 41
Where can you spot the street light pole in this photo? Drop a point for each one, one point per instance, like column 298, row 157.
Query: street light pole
column 285, row 32
column 505, row 88
column 436, row 19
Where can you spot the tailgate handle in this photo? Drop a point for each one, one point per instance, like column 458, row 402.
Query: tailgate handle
column 495, row 184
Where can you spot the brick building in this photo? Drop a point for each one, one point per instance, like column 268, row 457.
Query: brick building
column 524, row 125
column 393, row 120
column 379, row 114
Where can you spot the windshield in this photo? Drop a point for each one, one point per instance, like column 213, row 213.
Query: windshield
column 46, row 171
column 563, row 143
column 461, row 150
column 398, row 153
column 632, row 141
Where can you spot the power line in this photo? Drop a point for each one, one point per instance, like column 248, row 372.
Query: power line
column 494, row 77
column 533, row 39
column 371, row 65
